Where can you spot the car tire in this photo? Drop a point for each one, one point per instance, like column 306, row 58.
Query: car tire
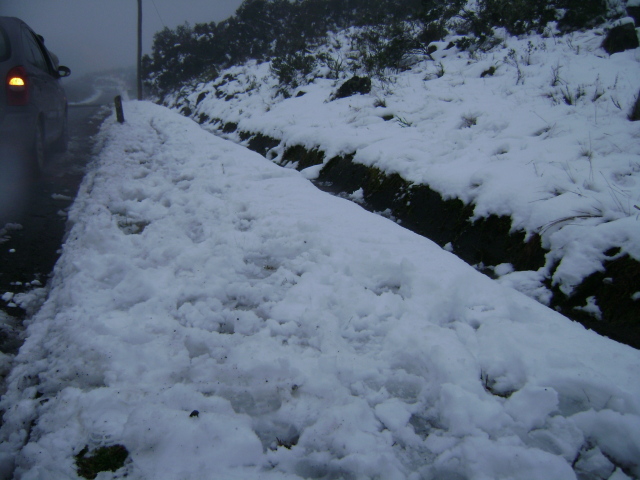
column 62, row 142
column 37, row 150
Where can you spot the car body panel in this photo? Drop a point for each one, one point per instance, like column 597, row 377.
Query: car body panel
column 47, row 102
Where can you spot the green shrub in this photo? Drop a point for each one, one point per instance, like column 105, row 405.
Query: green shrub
column 581, row 13
column 517, row 16
column 435, row 16
column 392, row 31
column 383, row 47
column 634, row 116
column 292, row 70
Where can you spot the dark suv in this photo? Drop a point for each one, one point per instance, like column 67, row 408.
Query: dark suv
column 33, row 104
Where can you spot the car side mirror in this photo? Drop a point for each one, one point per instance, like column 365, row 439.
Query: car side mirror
column 64, row 71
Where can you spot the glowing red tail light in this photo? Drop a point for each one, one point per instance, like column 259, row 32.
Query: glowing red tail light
column 17, row 85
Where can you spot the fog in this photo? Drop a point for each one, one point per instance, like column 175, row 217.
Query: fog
column 95, row 35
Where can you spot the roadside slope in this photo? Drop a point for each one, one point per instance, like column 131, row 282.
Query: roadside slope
column 521, row 158
column 216, row 316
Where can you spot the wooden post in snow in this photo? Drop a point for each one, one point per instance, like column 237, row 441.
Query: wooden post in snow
column 119, row 111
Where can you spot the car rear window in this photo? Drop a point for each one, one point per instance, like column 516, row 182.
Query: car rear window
column 4, row 45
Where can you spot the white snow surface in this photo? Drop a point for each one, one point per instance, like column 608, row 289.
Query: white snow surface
column 545, row 139
column 198, row 275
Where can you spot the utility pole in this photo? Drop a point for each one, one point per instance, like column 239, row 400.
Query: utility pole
column 139, row 60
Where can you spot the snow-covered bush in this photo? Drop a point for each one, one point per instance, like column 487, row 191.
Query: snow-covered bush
column 634, row 116
column 391, row 32
column 293, row 70
column 579, row 14
column 517, row 16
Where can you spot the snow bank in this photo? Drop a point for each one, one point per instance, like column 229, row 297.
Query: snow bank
column 535, row 129
column 222, row 318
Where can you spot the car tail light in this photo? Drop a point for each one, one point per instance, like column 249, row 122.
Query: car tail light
column 17, row 86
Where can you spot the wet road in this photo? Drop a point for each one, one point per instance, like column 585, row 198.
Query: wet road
column 32, row 234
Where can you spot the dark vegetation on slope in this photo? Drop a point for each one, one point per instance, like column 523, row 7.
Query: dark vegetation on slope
column 103, row 459
column 284, row 30
column 390, row 33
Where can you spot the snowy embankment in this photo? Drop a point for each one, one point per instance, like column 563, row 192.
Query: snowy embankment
column 220, row 317
column 535, row 129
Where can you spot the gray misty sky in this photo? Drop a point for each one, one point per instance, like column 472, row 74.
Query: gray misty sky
column 91, row 35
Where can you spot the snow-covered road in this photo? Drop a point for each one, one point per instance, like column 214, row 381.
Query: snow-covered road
column 222, row 318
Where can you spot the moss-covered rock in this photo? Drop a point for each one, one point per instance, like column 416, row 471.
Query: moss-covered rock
column 355, row 85
column 621, row 38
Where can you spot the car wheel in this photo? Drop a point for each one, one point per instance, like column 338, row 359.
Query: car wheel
column 61, row 143
column 38, row 152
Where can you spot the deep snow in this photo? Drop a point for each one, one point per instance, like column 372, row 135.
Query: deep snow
column 545, row 139
column 199, row 276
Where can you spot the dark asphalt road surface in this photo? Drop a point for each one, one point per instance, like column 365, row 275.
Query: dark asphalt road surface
column 31, row 235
